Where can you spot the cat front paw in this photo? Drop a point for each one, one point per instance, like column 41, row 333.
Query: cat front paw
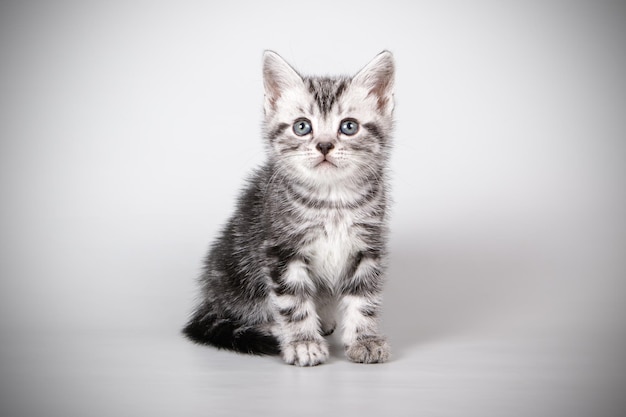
column 373, row 349
column 305, row 353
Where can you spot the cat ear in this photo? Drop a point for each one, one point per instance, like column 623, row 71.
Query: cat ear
column 378, row 78
column 278, row 76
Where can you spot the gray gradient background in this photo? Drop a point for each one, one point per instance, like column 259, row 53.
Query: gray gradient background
column 127, row 128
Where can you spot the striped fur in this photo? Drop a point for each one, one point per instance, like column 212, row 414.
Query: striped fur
column 309, row 234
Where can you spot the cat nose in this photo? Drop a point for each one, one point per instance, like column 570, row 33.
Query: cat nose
column 324, row 147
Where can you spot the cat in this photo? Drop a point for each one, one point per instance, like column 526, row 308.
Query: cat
column 309, row 234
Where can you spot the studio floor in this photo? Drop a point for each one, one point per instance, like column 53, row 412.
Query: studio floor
column 462, row 346
column 116, row 374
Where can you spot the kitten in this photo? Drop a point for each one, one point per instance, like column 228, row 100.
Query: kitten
column 309, row 234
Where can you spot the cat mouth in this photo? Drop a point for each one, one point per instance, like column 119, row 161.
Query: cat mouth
column 325, row 163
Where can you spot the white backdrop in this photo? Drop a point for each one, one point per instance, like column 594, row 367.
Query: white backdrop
column 127, row 129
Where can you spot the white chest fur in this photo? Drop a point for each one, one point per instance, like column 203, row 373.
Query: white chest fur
column 333, row 246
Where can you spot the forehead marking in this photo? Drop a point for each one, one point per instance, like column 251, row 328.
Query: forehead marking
column 326, row 92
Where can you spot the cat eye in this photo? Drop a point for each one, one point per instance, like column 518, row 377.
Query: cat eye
column 302, row 127
column 349, row 127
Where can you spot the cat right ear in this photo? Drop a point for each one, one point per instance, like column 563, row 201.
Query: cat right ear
column 278, row 76
column 378, row 78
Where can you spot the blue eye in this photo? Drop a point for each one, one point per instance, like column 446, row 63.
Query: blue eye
column 302, row 127
column 349, row 127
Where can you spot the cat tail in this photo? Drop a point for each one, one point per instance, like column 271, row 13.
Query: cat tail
column 224, row 333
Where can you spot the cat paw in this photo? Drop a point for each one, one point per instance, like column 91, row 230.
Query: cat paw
column 305, row 353
column 373, row 349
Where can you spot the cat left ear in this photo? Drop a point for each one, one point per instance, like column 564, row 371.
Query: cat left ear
column 278, row 76
column 378, row 78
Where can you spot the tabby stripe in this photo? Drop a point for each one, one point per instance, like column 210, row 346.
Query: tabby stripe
column 279, row 257
column 278, row 130
column 313, row 203
column 297, row 316
column 326, row 92
column 365, row 276
column 369, row 311
column 374, row 130
column 293, row 289
column 294, row 313
column 372, row 230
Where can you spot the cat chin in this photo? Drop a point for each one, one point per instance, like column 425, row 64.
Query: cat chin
column 328, row 175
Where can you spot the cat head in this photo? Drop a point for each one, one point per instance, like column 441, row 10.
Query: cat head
column 325, row 130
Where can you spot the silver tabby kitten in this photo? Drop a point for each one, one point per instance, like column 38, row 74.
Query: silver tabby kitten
column 309, row 234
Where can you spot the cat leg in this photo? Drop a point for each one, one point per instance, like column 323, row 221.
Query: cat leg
column 326, row 305
column 298, row 327
column 360, row 306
